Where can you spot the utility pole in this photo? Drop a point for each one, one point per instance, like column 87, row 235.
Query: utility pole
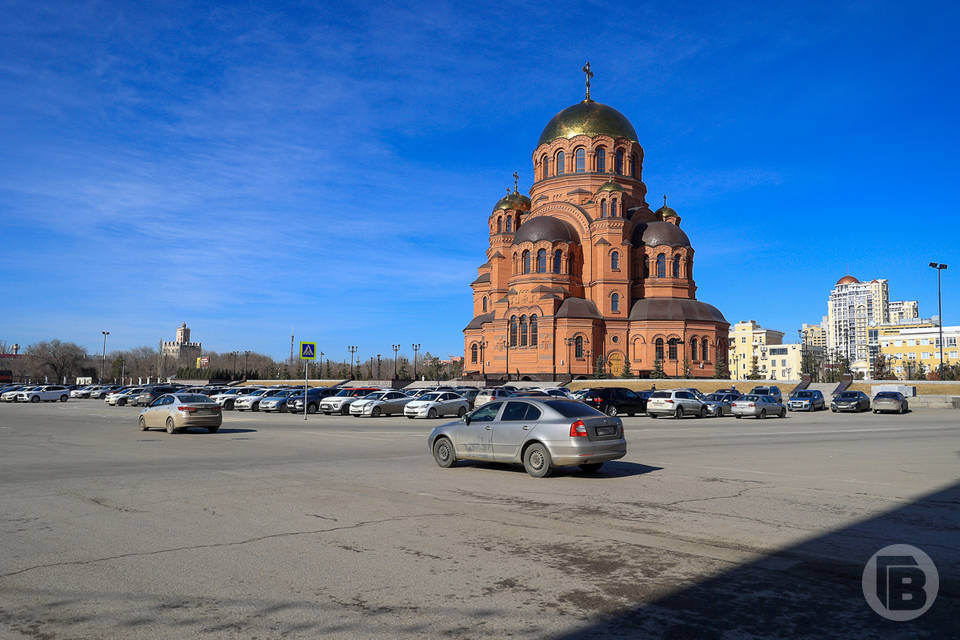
column 103, row 359
column 246, row 354
column 320, row 370
column 291, row 348
column 396, row 349
column 939, row 267
column 352, row 349
column 416, row 349
column 378, row 366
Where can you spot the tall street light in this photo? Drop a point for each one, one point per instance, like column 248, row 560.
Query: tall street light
column 352, row 348
column 396, row 349
column 378, row 366
column 939, row 267
column 416, row 349
column 103, row 359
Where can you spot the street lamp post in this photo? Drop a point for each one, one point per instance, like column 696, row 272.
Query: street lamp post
column 320, row 370
column 416, row 350
column 103, row 359
column 569, row 342
column 352, row 348
column 122, row 370
column 396, row 349
column 246, row 355
column 939, row 267
column 483, row 362
column 378, row 366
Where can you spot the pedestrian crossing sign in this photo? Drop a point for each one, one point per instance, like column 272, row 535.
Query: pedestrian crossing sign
column 308, row 350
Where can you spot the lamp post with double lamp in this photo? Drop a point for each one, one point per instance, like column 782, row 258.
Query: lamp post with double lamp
column 416, row 350
column 939, row 267
column 352, row 348
column 103, row 358
column 483, row 363
column 396, row 349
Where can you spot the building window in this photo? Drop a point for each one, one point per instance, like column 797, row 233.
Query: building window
column 705, row 354
column 613, row 208
column 523, row 331
column 579, row 160
column 615, row 303
column 661, row 266
column 659, row 349
column 484, row 304
column 560, row 163
column 542, row 261
column 578, row 346
column 676, row 266
column 618, row 162
column 513, row 331
column 557, row 261
column 509, row 228
column 546, row 166
column 693, row 349
column 500, row 224
column 533, row 330
column 473, row 353
column 672, row 343
column 526, row 262
column 615, row 260
column 634, row 165
column 601, row 159
column 603, row 208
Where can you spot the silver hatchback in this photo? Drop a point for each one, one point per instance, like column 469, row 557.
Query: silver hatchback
column 539, row 434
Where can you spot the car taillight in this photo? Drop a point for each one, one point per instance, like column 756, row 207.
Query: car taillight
column 752, row 404
column 578, row 429
column 187, row 409
column 669, row 401
column 596, row 400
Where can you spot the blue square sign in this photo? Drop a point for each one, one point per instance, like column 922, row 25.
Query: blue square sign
column 308, row 350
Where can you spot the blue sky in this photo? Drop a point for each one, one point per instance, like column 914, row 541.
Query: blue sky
column 328, row 168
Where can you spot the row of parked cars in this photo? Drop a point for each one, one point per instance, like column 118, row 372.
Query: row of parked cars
column 34, row 393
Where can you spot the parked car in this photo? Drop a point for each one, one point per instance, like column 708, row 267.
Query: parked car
column 892, row 401
column 539, row 434
column 121, row 398
column 807, row 400
column 82, row 392
column 278, row 401
column 437, row 404
column 759, row 406
column 731, row 391
column 46, row 393
column 380, row 403
column 676, row 403
column 11, row 396
column 719, row 404
column 767, row 391
column 340, row 401
column 149, row 394
column 488, row 395
column 615, row 401
column 177, row 411
column 314, row 396
column 470, row 395
column 529, row 393
column 850, row 401
column 101, row 392
column 251, row 401
column 228, row 397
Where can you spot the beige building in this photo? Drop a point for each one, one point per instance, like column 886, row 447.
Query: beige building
column 179, row 352
column 900, row 310
column 814, row 335
column 745, row 339
column 906, row 348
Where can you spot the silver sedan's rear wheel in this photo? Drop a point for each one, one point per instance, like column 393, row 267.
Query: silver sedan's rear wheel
column 143, row 423
column 432, row 413
column 171, row 426
column 763, row 414
column 462, row 412
column 703, row 411
column 63, row 398
column 537, row 460
column 443, row 452
column 678, row 413
column 376, row 412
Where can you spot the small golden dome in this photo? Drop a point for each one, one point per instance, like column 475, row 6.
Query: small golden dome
column 588, row 118
column 514, row 200
column 610, row 185
column 666, row 212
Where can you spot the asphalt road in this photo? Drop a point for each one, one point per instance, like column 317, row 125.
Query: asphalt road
column 345, row 528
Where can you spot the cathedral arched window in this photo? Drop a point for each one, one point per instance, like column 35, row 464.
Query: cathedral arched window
column 613, row 208
column 676, row 266
column 546, row 165
column 618, row 162
column 601, row 160
column 513, row 331
column 659, row 349
column 603, row 208
column 523, row 331
column 473, row 352
column 615, row 303
column 693, row 349
column 557, row 261
column 615, row 260
column 526, row 262
column 542, row 261
column 706, row 352
column 578, row 346
column 634, row 165
column 533, row 330
column 509, row 224
column 672, row 351
column 560, row 163
column 661, row 266
column 580, row 160
column 484, row 304
column 500, row 224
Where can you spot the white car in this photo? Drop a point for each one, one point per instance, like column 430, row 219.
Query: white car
column 11, row 396
column 379, row 403
column 82, row 392
column 557, row 392
column 676, row 403
column 121, row 398
column 228, row 398
column 251, row 401
column 436, row 404
column 48, row 393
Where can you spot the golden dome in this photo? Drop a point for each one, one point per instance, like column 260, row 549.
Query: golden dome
column 588, row 118
column 610, row 185
column 666, row 212
column 513, row 200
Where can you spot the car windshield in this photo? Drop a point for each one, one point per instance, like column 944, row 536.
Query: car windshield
column 760, row 392
column 376, row 395
column 749, row 398
column 660, row 394
column 571, row 409
column 194, row 398
column 427, row 397
column 717, row 397
column 887, row 394
column 848, row 395
column 803, row 394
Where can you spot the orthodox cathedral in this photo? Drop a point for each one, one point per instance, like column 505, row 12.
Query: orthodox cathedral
column 582, row 275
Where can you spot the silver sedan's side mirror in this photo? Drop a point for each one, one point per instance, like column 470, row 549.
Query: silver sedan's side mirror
column 466, row 418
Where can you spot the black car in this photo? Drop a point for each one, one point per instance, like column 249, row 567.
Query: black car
column 314, row 396
column 850, row 401
column 615, row 401
column 149, row 394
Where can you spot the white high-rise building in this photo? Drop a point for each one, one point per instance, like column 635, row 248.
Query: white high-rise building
column 853, row 306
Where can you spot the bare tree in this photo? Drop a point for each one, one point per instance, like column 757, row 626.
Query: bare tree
column 61, row 358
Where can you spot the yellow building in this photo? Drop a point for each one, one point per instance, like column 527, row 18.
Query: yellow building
column 907, row 348
column 745, row 339
column 814, row 335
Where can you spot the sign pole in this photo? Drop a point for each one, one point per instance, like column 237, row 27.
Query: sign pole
column 306, row 377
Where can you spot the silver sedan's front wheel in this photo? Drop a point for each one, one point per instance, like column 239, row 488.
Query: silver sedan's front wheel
column 537, row 460
column 443, row 452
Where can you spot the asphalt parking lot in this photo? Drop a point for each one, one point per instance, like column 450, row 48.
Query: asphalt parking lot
column 346, row 528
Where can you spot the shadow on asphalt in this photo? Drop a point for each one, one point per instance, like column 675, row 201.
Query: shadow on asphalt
column 809, row 590
column 615, row 469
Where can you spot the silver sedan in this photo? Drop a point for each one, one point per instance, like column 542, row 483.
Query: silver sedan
column 539, row 434
column 379, row 403
column 436, row 404
column 759, row 406
column 719, row 404
column 176, row 412
column 892, row 401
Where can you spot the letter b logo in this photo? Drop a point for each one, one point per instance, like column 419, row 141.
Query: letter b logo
column 900, row 582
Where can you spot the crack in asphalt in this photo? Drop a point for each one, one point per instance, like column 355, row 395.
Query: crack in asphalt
column 733, row 495
column 283, row 534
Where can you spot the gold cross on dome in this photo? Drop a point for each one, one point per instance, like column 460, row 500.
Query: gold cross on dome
column 516, row 181
column 664, row 199
column 586, row 70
